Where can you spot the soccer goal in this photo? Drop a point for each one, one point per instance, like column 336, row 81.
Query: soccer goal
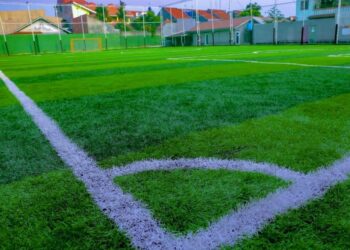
column 85, row 44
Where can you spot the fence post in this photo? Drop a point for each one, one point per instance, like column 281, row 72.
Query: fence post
column 212, row 23
column 197, row 25
column 231, row 24
column 183, row 28
column 5, row 38
column 303, row 25
column 59, row 27
column 162, row 43
column 251, row 22
column 83, row 31
column 124, row 22
column 104, row 27
column 336, row 40
column 144, row 29
column 275, row 27
column 31, row 23
column 171, row 26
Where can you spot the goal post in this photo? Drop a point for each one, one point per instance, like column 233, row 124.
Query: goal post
column 85, row 44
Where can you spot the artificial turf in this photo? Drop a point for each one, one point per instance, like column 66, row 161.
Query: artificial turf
column 122, row 106
column 187, row 200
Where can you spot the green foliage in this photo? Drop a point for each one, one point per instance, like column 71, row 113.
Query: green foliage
column 252, row 9
column 102, row 13
column 275, row 13
column 187, row 200
column 151, row 21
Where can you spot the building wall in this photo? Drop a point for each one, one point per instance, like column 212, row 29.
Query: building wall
column 178, row 27
column 316, row 31
column 223, row 37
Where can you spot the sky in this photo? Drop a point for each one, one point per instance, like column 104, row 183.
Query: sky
column 287, row 9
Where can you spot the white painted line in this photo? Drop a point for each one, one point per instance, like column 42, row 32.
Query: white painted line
column 206, row 163
column 132, row 217
column 261, row 62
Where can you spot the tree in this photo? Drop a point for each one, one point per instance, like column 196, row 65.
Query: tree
column 99, row 13
column 256, row 10
column 275, row 12
column 152, row 22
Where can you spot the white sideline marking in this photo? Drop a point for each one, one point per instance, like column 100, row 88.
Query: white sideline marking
column 132, row 216
column 261, row 62
column 339, row 55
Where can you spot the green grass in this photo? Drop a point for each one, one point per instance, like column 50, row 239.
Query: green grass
column 323, row 224
column 188, row 200
column 122, row 106
column 302, row 138
column 54, row 211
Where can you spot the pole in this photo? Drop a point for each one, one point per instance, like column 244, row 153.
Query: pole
column 231, row 24
column 251, row 20
column 59, row 32
column 212, row 23
column 144, row 30
column 171, row 26
column 124, row 21
column 183, row 28
column 5, row 38
column 338, row 22
column 104, row 27
column 83, row 31
column 303, row 25
column 31, row 23
column 162, row 42
column 197, row 25
column 275, row 28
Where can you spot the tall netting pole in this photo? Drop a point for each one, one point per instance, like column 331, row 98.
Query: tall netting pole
column 5, row 38
column 251, row 22
column 230, row 20
column 144, row 29
column 197, row 25
column 162, row 42
column 303, row 25
column 104, row 26
column 59, row 27
column 183, row 27
column 171, row 26
column 83, row 31
column 212, row 23
column 336, row 40
column 31, row 23
column 124, row 24
column 275, row 27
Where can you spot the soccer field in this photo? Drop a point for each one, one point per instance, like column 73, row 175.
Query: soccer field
column 201, row 137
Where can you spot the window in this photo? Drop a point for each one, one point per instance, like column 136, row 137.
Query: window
column 304, row 5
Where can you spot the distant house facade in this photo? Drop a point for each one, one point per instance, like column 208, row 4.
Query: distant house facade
column 36, row 21
column 223, row 32
column 316, row 9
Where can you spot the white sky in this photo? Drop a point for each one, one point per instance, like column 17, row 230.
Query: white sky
column 287, row 9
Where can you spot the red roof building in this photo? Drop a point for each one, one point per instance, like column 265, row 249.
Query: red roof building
column 175, row 13
column 221, row 14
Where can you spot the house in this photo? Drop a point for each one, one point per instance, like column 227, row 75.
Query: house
column 18, row 22
column 226, row 32
column 221, row 14
column 316, row 9
column 176, row 21
column 42, row 25
column 75, row 15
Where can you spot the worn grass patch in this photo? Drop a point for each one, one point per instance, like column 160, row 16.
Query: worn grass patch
column 54, row 211
column 187, row 200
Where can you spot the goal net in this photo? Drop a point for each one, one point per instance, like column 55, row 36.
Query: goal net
column 85, row 44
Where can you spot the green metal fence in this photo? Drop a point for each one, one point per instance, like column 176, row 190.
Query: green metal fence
column 26, row 44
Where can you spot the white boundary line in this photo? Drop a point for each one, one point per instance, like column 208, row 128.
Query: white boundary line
column 132, row 216
column 259, row 62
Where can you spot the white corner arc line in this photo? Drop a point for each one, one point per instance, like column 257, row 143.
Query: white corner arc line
column 132, row 217
column 260, row 62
